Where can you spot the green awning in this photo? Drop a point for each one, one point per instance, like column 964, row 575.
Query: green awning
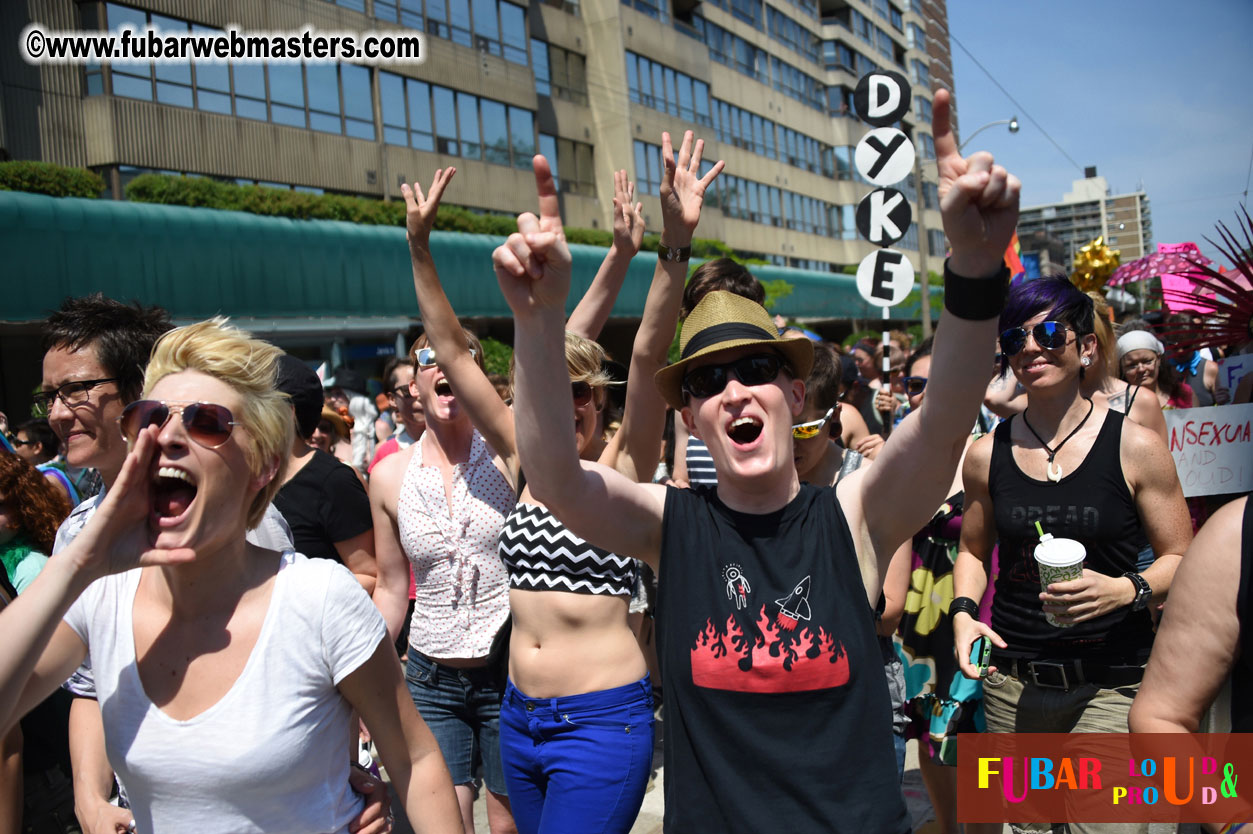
column 199, row 262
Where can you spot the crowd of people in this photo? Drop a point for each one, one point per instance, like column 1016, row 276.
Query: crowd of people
column 803, row 541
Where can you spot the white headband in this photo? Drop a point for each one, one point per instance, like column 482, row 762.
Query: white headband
column 1139, row 340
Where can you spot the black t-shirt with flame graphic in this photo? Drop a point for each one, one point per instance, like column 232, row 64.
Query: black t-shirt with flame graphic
column 777, row 713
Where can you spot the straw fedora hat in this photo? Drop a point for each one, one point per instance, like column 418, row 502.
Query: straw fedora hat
column 724, row 320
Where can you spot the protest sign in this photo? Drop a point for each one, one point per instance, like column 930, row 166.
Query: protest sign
column 1212, row 448
column 1233, row 369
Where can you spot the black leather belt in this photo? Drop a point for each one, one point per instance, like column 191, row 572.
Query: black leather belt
column 1069, row 674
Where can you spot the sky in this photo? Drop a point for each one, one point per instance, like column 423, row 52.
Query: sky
column 1155, row 94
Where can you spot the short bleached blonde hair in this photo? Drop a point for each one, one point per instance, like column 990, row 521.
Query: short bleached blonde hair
column 221, row 350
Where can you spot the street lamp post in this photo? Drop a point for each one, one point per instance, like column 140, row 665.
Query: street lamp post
column 1013, row 128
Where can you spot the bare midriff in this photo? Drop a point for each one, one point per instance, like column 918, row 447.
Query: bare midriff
column 569, row 644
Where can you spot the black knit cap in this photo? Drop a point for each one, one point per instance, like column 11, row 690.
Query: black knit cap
column 298, row 381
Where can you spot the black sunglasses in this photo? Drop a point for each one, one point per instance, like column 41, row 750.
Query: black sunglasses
column 914, row 385
column 208, row 424
column 709, row 380
column 1049, row 335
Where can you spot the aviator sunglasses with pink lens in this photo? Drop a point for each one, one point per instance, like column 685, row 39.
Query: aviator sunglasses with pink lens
column 208, row 424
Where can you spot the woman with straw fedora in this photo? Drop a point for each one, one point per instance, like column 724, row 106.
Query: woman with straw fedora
column 776, row 703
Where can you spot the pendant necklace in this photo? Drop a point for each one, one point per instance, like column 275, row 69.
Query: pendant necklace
column 1055, row 474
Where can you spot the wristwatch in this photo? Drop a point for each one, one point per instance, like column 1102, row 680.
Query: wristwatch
column 1143, row 592
column 677, row 254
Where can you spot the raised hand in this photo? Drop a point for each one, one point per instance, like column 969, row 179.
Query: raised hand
column 683, row 189
column 628, row 216
column 978, row 200
column 118, row 537
column 533, row 264
column 420, row 210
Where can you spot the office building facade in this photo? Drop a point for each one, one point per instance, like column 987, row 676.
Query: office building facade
column 1086, row 212
column 591, row 84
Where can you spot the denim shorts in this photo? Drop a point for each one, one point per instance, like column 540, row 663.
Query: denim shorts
column 462, row 708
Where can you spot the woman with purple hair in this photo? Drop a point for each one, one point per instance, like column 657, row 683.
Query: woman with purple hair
column 1070, row 658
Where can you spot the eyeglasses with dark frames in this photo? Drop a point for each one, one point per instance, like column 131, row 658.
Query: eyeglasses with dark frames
column 71, row 394
column 914, row 385
column 400, row 392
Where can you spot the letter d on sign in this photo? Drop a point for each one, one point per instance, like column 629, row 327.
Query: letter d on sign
column 885, row 96
column 882, row 97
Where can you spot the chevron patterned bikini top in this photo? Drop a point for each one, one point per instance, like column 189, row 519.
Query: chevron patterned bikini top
column 542, row 555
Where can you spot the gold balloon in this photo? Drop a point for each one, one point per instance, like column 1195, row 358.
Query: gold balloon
column 1094, row 264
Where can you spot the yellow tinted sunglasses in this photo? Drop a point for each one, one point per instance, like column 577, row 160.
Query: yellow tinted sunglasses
column 804, row 431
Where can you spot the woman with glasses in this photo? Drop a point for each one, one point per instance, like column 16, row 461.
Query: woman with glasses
column 1069, row 657
column 569, row 634
column 577, row 715
column 226, row 673
column 1140, row 363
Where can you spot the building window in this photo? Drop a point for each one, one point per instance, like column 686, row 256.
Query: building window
column 930, row 195
column 915, row 37
column 749, row 11
column 840, row 101
column 793, row 35
column 656, row 9
column 738, row 127
column 921, row 72
column 935, row 242
column 571, row 164
column 928, row 146
column 559, row 73
column 332, row 98
column 797, row 84
column 838, row 55
column 734, row 51
column 910, row 240
column 664, row 89
column 429, row 117
column 922, row 109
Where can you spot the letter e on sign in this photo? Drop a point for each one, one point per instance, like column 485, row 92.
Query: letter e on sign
column 882, row 97
column 885, row 277
column 884, row 156
column 883, row 216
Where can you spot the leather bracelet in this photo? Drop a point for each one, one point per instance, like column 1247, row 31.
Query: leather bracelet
column 975, row 299
column 674, row 254
column 966, row 604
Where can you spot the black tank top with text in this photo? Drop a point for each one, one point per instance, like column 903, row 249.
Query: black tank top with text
column 1092, row 505
column 777, row 708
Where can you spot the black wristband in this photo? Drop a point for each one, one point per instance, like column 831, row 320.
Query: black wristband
column 960, row 604
column 975, row 299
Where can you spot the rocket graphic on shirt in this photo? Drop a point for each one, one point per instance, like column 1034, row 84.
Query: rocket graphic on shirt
column 794, row 607
column 762, row 653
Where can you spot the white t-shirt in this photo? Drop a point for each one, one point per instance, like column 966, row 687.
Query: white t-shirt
column 273, row 533
column 272, row 754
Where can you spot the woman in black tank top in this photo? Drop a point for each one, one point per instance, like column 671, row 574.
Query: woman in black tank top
column 1072, row 468
column 1206, row 632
